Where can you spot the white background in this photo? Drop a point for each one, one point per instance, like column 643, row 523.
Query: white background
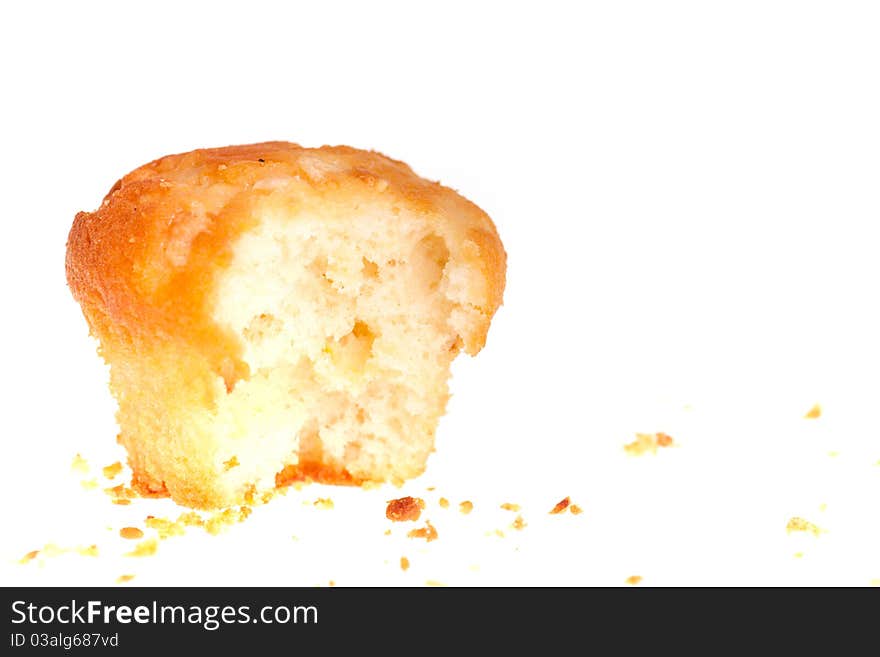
column 688, row 193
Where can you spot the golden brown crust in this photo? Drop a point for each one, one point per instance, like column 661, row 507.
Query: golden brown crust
column 143, row 266
column 144, row 260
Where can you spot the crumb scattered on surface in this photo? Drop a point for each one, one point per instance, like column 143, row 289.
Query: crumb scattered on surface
column 79, row 464
column 519, row 523
column 443, row 502
column 466, row 507
column 648, row 442
column 508, row 506
column 30, row 556
column 575, row 509
column 404, row 564
column 800, row 525
column 231, row 463
column 431, row 489
column 332, row 582
column 165, row 528
column 110, row 471
column 664, row 440
column 433, row 582
column 89, row 484
column 632, row 580
column 814, row 413
column 387, row 532
column 224, row 519
column 122, row 579
column 191, row 519
column 52, row 550
column 146, row 548
column 121, row 494
column 798, row 555
column 131, row 533
column 323, row 503
column 428, row 532
column 404, row 509
column 88, row 551
column 561, row 505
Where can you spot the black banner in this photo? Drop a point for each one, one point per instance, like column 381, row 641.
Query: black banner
column 414, row 620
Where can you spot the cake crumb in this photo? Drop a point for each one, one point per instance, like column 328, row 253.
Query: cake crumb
column 814, row 413
column 332, row 582
column 121, row 494
column 164, row 528
column 561, row 506
column 112, row 470
column 146, row 548
column 52, row 550
column 131, row 533
column 404, row 509
column 191, row 519
column 466, row 507
column 387, row 532
column 431, row 489
column 231, row 463
column 433, row 582
column 79, row 464
column 632, row 580
column 30, row 556
column 800, row 525
column 89, row 484
column 224, row 519
column 519, row 523
column 404, row 564
column 443, row 502
column 648, row 442
column 323, row 503
column 507, row 506
column 122, row 579
column 87, row 551
column 664, row 440
column 428, row 532
column 575, row 509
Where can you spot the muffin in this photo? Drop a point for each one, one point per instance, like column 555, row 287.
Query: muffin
column 273, row 313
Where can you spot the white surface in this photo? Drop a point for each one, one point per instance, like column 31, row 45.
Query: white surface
column 688, row 193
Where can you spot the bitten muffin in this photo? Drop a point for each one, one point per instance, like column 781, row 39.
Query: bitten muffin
column 273, row 313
